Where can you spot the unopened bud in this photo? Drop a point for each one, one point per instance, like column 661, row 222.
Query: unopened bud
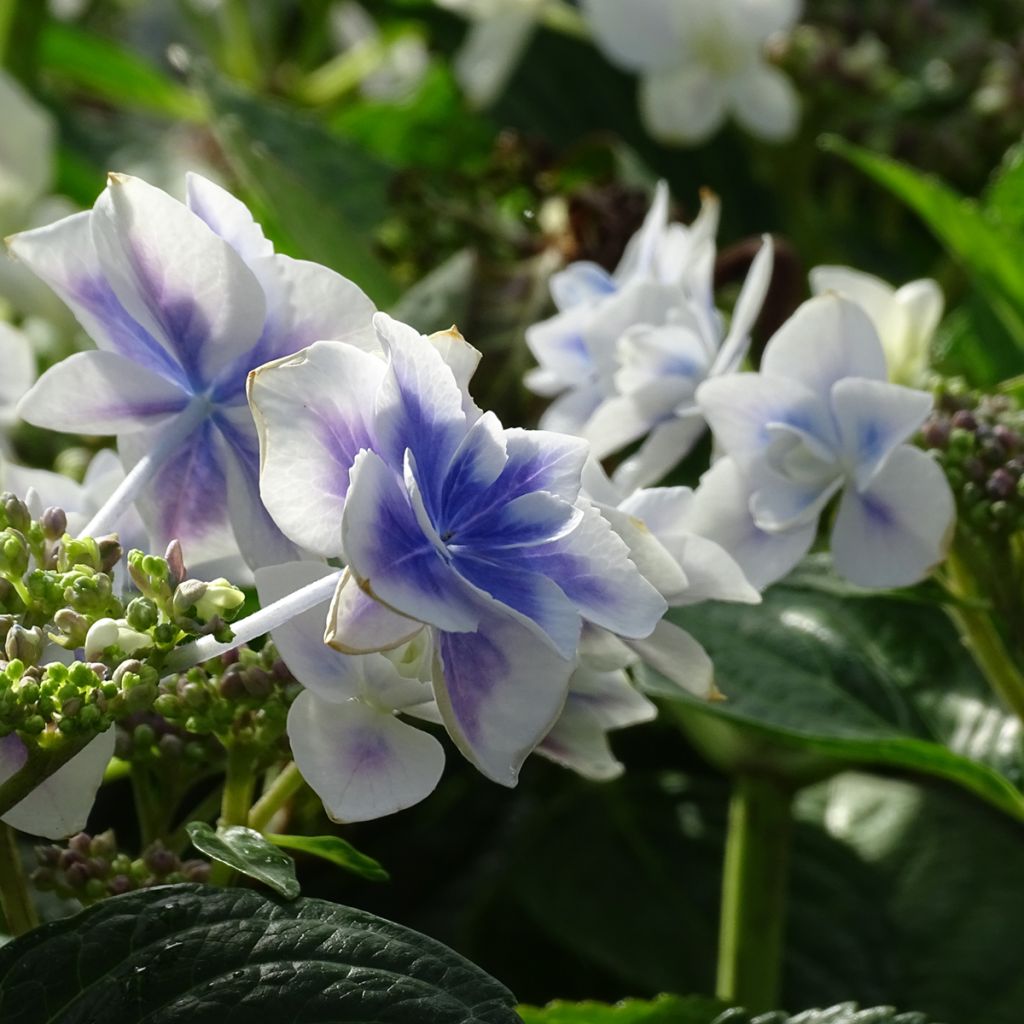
column 110, row 552
column 24, row 644
column 54, row 522
column 15, row 512
column 14, row 553
column 220, row 598
column 142, row 614
column 188, row 595
column 175, row 562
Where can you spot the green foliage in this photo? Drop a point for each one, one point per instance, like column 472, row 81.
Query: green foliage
column 696, row 1010
column 336, row 850
column 324, row 195
column 219, row 956
column 815, row 682
column 247, row 851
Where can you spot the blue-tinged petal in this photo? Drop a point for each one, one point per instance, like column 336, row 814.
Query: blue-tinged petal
column 742, row 408
column 579, row 283
column 362, row 762
column 622, row 419
column 677, row 350
column 779, row 504
column 358, row 624
column 60, row 805
column 418, row 407
column 101, row 393
column 720, row 512
column 536, row 600
column 640, row 257
column 187, row 500
column 614, row 700
column 569, row 412
column 227, row 216
column 313, row 415
column 559, row 346
column 826, row 339
column 395, row 561
column 532, row 518
column 592, row 567
column 499, row 692
column 539, row 460
column 873, row 418
column 893, row 533
column 476, row 464
column 183, row 283
column 64, row 256
column 578, row 741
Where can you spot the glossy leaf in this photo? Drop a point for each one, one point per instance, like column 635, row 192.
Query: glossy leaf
column 987, row 247
column 815, row 682
column 337, row 851
column 103, row 70
column 322, row 193
column 220, row 956
column 247, row 851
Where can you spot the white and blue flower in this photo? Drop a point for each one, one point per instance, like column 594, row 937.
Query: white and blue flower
column 821, row 419
column 182, row 301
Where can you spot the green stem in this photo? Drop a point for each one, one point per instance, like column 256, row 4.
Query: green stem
column 148, row 805
column 241, row 57
column 754, row 894
column 19, row 910
column 239, row 786
column 277, row 794
column 981, row 637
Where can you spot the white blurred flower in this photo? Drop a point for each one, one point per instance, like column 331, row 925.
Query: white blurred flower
column 905, row 318
column 499, row 32
column 18, row 374
column 700, row 61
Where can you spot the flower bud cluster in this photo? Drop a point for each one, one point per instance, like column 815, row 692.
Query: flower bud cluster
column 243, row 695
column 979, row 441
column 90, row 868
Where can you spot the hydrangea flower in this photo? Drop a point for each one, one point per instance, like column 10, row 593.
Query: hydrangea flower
column 449, row 524
column 658, row 371
column 182, row 301
column 700, row 61
column 905, row 317
column 665, row 266
column 821, row 419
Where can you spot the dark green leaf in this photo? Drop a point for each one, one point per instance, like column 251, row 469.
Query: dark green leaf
column 337, row 851
column 698, row 1010
column 323, row 194
column 814, row 683
column 663, row 1010
column 103, row 70
column 231, row 956
column 989, row 249
column 247, row 851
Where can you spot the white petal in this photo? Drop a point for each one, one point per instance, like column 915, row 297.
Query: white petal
column 683, row 105
column 720, row 512
column 897, row 530
column 765, row 103
column 579, row 742
column 826, row 339
column 615, row 701
column 679, row 658
column 639, row 257
column 747, row 309
column 357, row 624
column 580, row 282
column 638, row 36
column 19, row 369
column 101, row 393
column 491, row 51
column 646, row 551
column 603, row 651
column 666, row 446
column 60, row 806
column 183, row 283
column 313, row 413
column 361, row 762
column 871, row 293
column 27, row 145
column 922, row 303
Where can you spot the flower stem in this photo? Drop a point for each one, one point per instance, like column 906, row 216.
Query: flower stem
column 754, row 894
column 277, row 794
column 239, row 786
column 263, row 621
column 170, row 439
column 19, row 911
column 980, row 635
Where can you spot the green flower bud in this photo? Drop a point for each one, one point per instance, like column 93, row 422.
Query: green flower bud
column 14, row 512
column 82, row 551
column 14, row 553
column 188, row 595
column 142, row 614
column 24, row 644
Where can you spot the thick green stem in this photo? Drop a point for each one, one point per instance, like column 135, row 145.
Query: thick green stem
column 277, row 794
column 754, row 894
column 19, row 911
column 239, row 786
column 982, row 638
